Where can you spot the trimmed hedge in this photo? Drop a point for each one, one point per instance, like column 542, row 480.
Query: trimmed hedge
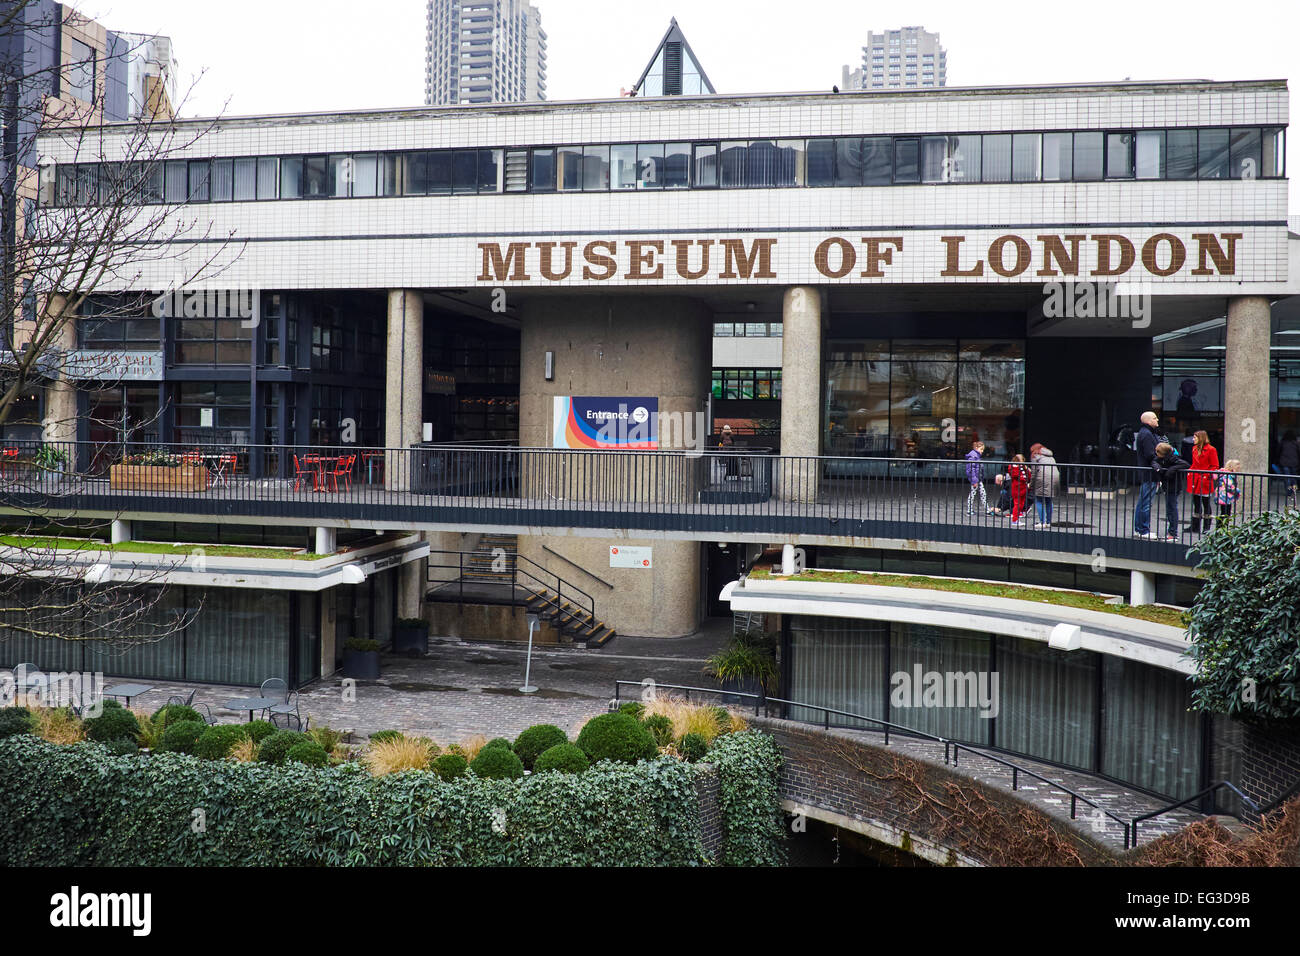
column 748, row 765
column 449, row 766
column 497, row 763
column 616, row 736
column 499, row 742
column 566, row 758
column 275, row 748
column 215, row 742
column 259, row 730
column 536, row 740
column 307, row 752
column 170, row 714
column 181, row 737
column 114, row 723
column 81, row 806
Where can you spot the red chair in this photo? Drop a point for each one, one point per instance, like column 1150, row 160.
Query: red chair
column 8, row 457
column 304, row 469
column 342, row 469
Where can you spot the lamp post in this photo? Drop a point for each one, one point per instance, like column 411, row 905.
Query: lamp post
column 528, row 688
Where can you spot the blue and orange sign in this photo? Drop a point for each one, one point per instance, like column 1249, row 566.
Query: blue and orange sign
column 605, row 422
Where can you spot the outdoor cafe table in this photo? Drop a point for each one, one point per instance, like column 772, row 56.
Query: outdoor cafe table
column 251, row 704
column 128, row 691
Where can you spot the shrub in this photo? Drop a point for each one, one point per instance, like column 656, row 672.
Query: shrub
column 15, row 720
column 633, row 709
column 688, row 718
column 395, row 754
column 307, row 752
column 692, row 747
column 741, row 661
column 383, row 736
column 58, row 725
column 215, row 742
column 361, row 644
column 565, row 758
column 276, row 747
column 497, row 763
column 115, row 723
column 500, row 742
column 616, row 737
column 259, row 730
column 449, row 766
column 536, row 740
column 327, row 738
column 661, row 726
column 748, row 767
column 151, row 731
column 174, row 713
column 181, row 736
column 123, row 747
column 244, row 750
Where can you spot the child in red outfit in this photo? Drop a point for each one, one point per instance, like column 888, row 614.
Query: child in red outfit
column 1019, row 472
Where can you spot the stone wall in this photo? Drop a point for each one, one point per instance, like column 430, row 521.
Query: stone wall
column 1270, row 759
column 711, row 829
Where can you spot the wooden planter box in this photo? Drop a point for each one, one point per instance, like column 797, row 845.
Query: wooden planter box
column 158, row 478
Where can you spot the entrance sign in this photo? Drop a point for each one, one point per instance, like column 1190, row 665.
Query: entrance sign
column 624, row 557
column 113, row 365
column 604, row 422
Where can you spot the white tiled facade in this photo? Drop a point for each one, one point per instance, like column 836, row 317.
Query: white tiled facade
column 435, row 241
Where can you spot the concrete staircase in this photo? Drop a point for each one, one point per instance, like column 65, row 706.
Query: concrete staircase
column 570, row 620
column 493, row 562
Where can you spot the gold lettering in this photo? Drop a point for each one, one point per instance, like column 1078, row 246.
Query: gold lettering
column 1208, row 245
column 822, row 257
column 546, row 249
column 1126, row 254
column 498, row 267
column 594, row 258
column 756, row 263
column 953, row 266
column 683, row 247
column 1054, row 250
column 876, row 255
column 998, row 246
column 643, row 254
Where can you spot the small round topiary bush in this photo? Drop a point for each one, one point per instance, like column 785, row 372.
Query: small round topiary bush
column 633, row 709
column 692, row 747
column 379, row 736
column 276, row 747
column 215, row 742
column 536, row 740
column 497, row 763
column 181, row 736
column 565, row 758
column 123, row 747
column 499, row 742
column 259, row 730
column 449, row 766
column 115, row 723
column 616, row 737
column 661, row 726
column 308, row 752
column 175, row 713
column 15, row 720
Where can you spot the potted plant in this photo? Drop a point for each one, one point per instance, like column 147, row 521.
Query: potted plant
column 361, row 658
column 746, row 666
column 411, row 634
column 51, row 460
column 158, row 471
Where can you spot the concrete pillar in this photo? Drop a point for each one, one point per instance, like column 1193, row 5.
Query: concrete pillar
column 1245, row 383
column 410, row 588
column 326, row 540
column 1141, row 588
column 801, row 381
column 404, row 398
column 60, row 423
column 121, row 531
column 328, row 632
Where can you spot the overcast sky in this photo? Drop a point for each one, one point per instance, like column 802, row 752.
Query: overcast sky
column 262, row 56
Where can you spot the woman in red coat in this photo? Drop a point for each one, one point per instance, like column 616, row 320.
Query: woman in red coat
column 1200, row 481
column 1020, row 474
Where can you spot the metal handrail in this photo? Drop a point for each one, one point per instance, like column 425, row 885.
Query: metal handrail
column 950, row 747
column 516, row 572
column 1212, row 788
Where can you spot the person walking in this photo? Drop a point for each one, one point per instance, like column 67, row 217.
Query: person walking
column 727, row 443
column 1288, row 461
column 975, row 475
column 1200, row 481
column 1046, row 482
column 1144, row 447
column 1168, row 468
column 1226, row 491
column 1020, row 478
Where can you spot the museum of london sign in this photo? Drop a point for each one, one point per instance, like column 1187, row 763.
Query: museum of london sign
column 1033, row 257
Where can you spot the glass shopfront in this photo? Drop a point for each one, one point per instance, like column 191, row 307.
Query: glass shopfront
column 923, row 398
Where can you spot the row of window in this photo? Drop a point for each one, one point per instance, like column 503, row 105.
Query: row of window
column 746, row 383
column 1178, row 154
column 750, row 329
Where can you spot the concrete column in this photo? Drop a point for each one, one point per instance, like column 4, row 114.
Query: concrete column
column 801, row 380
column 326, row 540
column 410, row 588
column 121, row 531
column 1245, row 384
column 60, row 423
column 404, row 399
column 1141, row 588
column 328, row 632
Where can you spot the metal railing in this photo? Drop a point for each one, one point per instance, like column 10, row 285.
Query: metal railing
column 710, row 493
column 554, row 592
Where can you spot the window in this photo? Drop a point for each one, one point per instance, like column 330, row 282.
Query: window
column 877, row 161
column 1119, row 155
column 734, row 156
column 290, row 177
column 706, row 165
column 1149, row 162
column 223, row 172
column 1212, row 154
column 649, row 165
column 339, row 184
column 80, row 70
column 907, row 160
column 622, row 167
column 268, row 177
column 997, row 158
column 595, row 168
column 791, row 162
column 848, row 161
column 1274, row 152
column 211, row 341
column 964, row 159
column 934, row 159
column 1244, row 153
column 315, row 177
column 199, row 171
column 1026, row 157
column 569, row 169
column 677, row 165
column 821, row 162
column 245, row 180
column 543, row 173
column 176, row 183
column 365, row 175
column 761, row 164
column 1088, row 149
column 1180, row 162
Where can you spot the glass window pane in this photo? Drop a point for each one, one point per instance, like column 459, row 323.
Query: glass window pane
column 390, row 174
column 649, row 166
column 315, row 177
column 291, row 177
column 622, row 167
column 595, row 168
column 997, row 159
column 1180, row 145
column 1027, row 157
column 964, row 157
column 907, row 160
column 245, row 187
column 791, row 163
column 151, row 182
column 543, row 176
column 464, row 171
column 934, row 156
column 1088, row 149
column 821, row 162
column 570, row 168
column 1058, row 157
column 677, row 165
column 1212, row 154
column 176, row 182
column 1119, row 155
column 1150, row 154
column 268, row 177
column 733, row 163
column 1274, row 152
column 848, row 161
column 434, row 172
column 340, row 176
column 706, row 165
column 364, row 174
column 490, row 171
column 1245, row 153
column 760, row 166
column 223, row 172
column 199, row 172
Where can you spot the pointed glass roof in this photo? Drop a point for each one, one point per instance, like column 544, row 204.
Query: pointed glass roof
column 673, row 70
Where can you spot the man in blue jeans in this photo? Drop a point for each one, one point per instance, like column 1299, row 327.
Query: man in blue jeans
column 1145, row 447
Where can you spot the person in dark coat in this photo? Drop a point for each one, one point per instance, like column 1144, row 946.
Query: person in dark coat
column 1144, row 444
column 1168, row 470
